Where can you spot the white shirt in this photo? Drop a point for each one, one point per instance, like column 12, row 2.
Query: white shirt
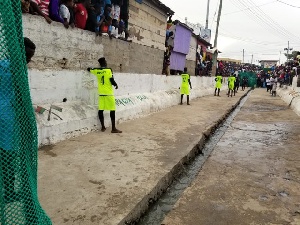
column 116, row 12
column 64, row 12
column 268, row 81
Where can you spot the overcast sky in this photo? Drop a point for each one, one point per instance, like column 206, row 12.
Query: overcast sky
column 261, row 27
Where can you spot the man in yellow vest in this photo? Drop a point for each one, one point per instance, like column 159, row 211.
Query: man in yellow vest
column 219, row 81
column 106, row 93
column 231, row 81
column 185, row 84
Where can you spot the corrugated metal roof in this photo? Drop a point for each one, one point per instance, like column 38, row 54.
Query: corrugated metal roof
column 162, row 6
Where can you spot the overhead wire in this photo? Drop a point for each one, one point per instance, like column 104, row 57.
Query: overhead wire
column 214, row 15
column 256, row 17
column 269, row 19
column 268, row 3
column 250, row 40
column 288, row 4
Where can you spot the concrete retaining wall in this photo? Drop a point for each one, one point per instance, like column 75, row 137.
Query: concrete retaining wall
column 138, row 95
column 58, row 48
column 291, row 95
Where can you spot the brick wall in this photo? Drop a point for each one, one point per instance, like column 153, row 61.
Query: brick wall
column 76, row 49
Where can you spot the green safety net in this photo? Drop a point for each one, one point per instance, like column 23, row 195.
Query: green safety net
column 251, row 77
column 18, row 131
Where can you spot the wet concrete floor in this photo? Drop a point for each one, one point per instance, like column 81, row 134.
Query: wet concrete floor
column 101, row 178
column 253, row 174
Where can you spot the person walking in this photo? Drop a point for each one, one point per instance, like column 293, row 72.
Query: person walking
column 185, row 84
column 219, row 81
column 106, row 93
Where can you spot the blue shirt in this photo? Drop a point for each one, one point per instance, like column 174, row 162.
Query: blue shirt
column 7, row 112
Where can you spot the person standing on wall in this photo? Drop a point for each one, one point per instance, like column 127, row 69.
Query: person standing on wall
column 185, row 84
column 106, row 93
column 219, row 81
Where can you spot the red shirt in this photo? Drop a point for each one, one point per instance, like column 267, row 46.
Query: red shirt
column 81, row 16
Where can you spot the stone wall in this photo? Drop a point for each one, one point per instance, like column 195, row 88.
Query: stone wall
column 147, row 24
column 190, row 64
column 75, row 49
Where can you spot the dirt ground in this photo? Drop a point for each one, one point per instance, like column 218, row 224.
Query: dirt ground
column 100, row 178
column 253, row 175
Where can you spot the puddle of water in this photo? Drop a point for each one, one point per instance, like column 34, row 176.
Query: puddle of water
column 165, row 203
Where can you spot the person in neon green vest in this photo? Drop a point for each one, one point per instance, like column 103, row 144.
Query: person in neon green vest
column 219, row 81
column 106, row 93
column 231, row 81
column 185, row 84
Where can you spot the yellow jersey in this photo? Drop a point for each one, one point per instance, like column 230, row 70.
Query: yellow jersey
column 104, row 84
column 185, row 80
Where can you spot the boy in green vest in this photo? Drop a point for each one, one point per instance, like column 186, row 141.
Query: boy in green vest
column 219, row 81
column 231, row 81
column 106, row 93
column 185, row 84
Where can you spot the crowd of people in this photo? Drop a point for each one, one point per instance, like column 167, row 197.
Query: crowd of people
column 204, row 63
column 283, row 74
column 227, row 68
column 100, row 16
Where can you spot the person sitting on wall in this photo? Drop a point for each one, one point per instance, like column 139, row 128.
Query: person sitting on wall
column 106, row 26
column 54, row 11
column 80, row 13
column 106, row 94
column 64, row 12
column 36, row 7
column 95, row 19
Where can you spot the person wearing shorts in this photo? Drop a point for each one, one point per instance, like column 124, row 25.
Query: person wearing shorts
column 231, row 82
column 218, row 86
column 106, row 93
column 185, row 86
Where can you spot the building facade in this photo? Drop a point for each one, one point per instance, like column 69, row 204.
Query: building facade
column 147, row 22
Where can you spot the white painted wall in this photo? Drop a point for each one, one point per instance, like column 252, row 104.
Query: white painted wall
column 291, row 95
column 138, row 95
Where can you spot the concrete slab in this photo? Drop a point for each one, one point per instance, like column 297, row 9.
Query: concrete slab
column 104, row 178
column 252, row 177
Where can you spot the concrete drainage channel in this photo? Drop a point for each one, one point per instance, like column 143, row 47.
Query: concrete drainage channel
column 153, row 208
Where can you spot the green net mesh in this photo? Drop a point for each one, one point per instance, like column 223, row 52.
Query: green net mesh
column 18, row 132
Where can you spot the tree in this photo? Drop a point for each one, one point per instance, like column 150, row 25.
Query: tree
column 293, row 55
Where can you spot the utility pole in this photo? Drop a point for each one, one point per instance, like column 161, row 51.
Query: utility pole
column 279, row 58
column 215, row 54
column 288, row 49
column 243, row 56
column 207, row 14
column 252, row 59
